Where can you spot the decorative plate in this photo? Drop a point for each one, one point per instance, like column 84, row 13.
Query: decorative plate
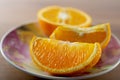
column 15, row 49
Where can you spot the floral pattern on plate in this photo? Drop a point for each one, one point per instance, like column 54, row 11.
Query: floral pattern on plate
column 15, row 49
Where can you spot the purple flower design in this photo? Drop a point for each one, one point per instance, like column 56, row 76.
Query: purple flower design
column 111, row 54
column 14, row 48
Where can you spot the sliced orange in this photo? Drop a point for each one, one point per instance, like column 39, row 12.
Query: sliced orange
column 51, row 17
column 99, row 33
column 63, row 57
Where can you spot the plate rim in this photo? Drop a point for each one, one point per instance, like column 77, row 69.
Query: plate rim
column 47, row 76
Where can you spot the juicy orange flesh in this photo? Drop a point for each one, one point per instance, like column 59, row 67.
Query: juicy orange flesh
column 76, row 37
column 94, row 61
column 74, row 19
column 51, row 15
column 59, row 55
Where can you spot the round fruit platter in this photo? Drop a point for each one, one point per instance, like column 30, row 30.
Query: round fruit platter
column 15, row 49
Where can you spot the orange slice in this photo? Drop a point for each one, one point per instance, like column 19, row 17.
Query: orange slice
column 99, row 33
column 63, row 57
column 51, row 17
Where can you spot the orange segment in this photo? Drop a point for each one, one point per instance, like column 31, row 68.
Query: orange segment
column 51, row 17
column 61, row 57
column 99, row 33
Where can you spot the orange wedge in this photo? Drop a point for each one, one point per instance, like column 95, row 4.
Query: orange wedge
column 99, row 33
column 51, row 17
column 63, row 57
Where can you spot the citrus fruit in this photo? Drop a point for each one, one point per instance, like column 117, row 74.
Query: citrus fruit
column 99, row 33
column 64, row 57
column 51, row 17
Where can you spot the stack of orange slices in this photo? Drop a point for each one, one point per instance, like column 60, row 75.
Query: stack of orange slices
column 73, row 46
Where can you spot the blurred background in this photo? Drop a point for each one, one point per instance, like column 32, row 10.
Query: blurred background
column 17, row 12
column 22, row 11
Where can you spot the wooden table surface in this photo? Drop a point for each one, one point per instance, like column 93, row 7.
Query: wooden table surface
column 17, row 12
